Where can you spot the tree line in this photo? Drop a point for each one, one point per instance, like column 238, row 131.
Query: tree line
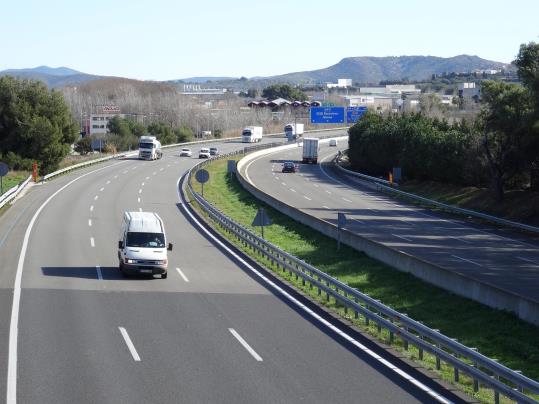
column 500, row 148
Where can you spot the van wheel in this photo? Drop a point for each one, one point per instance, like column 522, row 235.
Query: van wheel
column 164, row 276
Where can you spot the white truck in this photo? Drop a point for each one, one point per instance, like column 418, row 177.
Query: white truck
column 251, row 134
column 310, row 150
column 142, row 248
column 293, row 130
column 149, row 148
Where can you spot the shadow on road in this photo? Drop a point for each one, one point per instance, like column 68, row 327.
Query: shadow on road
column 108, row 273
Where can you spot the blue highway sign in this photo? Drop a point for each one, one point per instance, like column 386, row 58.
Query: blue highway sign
column 327, row 115
column 353, row 114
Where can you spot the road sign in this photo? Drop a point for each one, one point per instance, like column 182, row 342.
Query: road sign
column 261, row 219
column 353, row 114
column 202, row 176
column 3, row 169
column 341, row 219
column 231, row 166
column 327, row 114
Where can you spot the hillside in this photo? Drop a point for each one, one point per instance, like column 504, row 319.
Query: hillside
column 52, row 77
column 366, row 69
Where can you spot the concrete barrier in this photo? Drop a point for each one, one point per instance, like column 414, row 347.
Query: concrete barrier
column 485, row 293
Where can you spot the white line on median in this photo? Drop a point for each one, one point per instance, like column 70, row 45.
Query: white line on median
column 140, row 191
column 102, row 189
column 306, row 197
column 404, row 238
column 147, row 178
column 142, row 184
column 92, row 208
column 129, row 344
column 346, row 200
column 464, row 259
column 99, row 274
column 108, row 182
column 325, row 207
column 292, row 190
column 95, row 198
column 138, row 200
column 245, row 345
column 92, row 242
column 90, row 222
column 283, row 183
column 182, row 275
column 328, row 192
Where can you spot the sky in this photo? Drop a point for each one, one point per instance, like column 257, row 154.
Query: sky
column 167, row 40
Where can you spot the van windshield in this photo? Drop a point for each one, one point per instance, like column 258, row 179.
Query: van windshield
column 147, row 240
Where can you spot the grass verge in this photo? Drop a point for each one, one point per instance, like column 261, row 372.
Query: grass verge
column 497, row 334
column 12, row 179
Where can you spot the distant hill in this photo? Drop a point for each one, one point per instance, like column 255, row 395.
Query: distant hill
column 367, row 69
column 202, row 80
column 52, row 76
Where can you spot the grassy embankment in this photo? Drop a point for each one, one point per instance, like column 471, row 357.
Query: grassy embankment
column 497, row 334
column 521, row 206
column 12, row 179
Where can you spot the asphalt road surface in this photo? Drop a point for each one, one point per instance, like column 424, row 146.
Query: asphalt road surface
column 507, row 260
column 214, row 331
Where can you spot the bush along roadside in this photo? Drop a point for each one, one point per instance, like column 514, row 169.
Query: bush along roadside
column 496, row 334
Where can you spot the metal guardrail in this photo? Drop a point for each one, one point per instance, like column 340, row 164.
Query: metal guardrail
column 386, row 186
column 483, row 370
column 12, row 193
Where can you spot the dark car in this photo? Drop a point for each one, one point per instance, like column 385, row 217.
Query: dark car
column 289, row 167
column 214, row 151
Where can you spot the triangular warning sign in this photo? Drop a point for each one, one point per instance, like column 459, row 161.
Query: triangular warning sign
column 261, row 218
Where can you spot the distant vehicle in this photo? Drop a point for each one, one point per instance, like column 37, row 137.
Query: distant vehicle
column 149, row 148
column 214, row 151
column 310, row 150
column 142, row 248
column 333, row 142
column 289, row 167
column 204, row 153
column 252, row 134
column 206, row 133
column 293, row 130
column 186, row 152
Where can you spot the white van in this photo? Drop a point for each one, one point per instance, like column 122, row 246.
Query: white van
column 142, row 248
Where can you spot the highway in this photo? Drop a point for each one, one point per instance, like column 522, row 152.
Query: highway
column 507, row 260
column 217, row 330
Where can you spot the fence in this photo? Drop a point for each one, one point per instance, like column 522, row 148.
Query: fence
column 483, row 370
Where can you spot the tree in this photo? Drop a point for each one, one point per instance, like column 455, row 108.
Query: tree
column 183, row 133
column 283, row 91
column 505, row 121
column 84, row 145
column 527, row 62
column 35, row 124
column 162, row 132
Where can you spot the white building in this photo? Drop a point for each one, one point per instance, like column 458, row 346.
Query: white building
column 99, row 121
column 341, row 83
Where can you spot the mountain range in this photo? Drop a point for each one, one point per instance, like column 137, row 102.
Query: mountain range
column 363, row 69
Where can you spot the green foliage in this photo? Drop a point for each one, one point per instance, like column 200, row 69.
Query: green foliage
column 35, row 124
column 425, row 148
column 183, row 133
column 506, row 125
column 283, row 91
column 217, row 133
column 162, row 132
column 84, row 145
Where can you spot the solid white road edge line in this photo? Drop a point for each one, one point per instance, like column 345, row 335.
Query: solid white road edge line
column 11, row 391
column 99, row 274
column 245, row 345
column 182, row 275
column 293, row 300
column 129, row 344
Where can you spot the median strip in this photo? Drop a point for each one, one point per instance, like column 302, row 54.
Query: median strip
column 129, row 344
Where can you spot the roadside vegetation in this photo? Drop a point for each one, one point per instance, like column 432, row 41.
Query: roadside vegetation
column 12, row 179
column 499, row 150
column 497, row 334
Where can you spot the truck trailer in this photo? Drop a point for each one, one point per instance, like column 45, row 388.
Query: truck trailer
column 310, row 150
column 251, row 134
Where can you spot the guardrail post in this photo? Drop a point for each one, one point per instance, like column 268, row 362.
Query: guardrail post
column 327, row 293
column 391, row 334
column 356, row 313
column 319, row 289
column 346, row 306
column 405, row 341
